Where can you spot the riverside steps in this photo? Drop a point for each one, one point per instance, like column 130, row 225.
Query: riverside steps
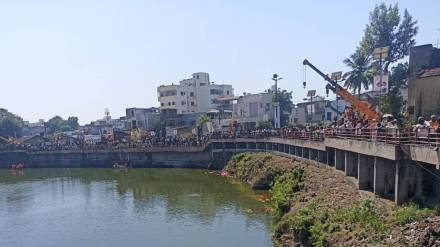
column 394, row 166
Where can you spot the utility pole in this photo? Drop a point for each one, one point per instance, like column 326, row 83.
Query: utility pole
column 380, row 54
column 337, row 77
column 311, row 94
column 276, row 103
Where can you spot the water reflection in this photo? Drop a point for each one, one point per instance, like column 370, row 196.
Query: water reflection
column 197, row 207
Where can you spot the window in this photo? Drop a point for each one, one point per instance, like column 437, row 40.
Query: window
column 227, row 92
column 174, row 103
column 132, row 113
column 329, row 116
column 191, row 94
column 183, row 103
column 169, row 103
column 192, row 103
column 182, row 93
column 216, row 92
column 198, row 77
column 162, row 104
column 168, row 93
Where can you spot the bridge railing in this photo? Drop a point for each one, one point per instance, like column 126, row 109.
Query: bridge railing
column 421, row 136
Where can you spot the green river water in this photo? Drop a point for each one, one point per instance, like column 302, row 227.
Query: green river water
column 139, row 207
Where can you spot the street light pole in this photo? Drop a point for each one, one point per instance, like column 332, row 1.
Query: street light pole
column 277, row 112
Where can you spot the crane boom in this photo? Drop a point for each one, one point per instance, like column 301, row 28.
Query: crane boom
column 361, row 106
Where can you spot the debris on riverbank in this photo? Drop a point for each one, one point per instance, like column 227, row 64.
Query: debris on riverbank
column 318, row 206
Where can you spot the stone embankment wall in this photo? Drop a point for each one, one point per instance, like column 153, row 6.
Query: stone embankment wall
column 197, row 157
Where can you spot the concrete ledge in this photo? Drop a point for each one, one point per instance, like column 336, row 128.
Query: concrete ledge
column 383, row 150
column 425, row 154
column 292, row 142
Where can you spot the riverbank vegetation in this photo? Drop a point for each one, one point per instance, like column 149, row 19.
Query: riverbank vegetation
column 317, row 206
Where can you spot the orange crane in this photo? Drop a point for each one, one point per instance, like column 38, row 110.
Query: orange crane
column 362, row 106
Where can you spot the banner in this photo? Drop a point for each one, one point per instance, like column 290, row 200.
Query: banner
column 380, row 84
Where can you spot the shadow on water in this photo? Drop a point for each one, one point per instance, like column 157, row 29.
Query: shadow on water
column 178, row 195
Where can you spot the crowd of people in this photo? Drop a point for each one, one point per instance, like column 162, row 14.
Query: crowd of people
column 153, row 142
column 350, row 124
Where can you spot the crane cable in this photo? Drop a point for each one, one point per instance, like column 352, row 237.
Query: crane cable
column 420, row 165
column 304, row 75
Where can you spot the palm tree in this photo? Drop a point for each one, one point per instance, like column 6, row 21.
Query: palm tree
column 361, row 72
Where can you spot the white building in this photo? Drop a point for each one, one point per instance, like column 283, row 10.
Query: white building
column 318, row 111
column 253, row 108
column 298, row 116
column 194, row 95
column 333, row 109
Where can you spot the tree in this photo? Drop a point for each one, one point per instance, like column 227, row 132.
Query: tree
column 10, row 124
column 202, row 120
column 393, row 101
column 72, row 122
column 264, row 124
column 55, row 123
column 285, row 100
column 387, row 28
column 361, row 73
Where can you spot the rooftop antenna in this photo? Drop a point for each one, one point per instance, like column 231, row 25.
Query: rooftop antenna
column 438, row 41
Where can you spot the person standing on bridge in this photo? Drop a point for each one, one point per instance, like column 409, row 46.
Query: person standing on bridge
column 434, row 131
column 433, row 122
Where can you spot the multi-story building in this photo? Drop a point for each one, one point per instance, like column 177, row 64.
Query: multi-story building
column 194, row 95
column 144, row 118
column 317, row 111
column 31, row 129
column 333, row 109
column 253, row 108
column 298, row 116
column 424, row 82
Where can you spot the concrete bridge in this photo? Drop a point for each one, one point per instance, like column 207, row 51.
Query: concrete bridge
column 397, row 172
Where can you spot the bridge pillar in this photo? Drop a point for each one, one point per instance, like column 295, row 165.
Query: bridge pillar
column 340, row 159
column 403, row 172
column 330, row 152
column 306, row 153
column 366, row 172
column 351, row 164
column 417, row 181
column 322, row 156
column 384, row 178
column 313, row 155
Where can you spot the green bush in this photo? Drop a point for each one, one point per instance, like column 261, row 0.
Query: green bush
column 366, row 216
column 313, row 224
column 284, row 186
column 411, row 213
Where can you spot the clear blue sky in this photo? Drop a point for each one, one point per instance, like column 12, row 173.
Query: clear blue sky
column 78, row 57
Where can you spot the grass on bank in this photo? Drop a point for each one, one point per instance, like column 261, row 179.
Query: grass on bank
column 310, row 222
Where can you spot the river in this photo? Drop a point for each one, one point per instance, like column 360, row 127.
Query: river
column 138, row 207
